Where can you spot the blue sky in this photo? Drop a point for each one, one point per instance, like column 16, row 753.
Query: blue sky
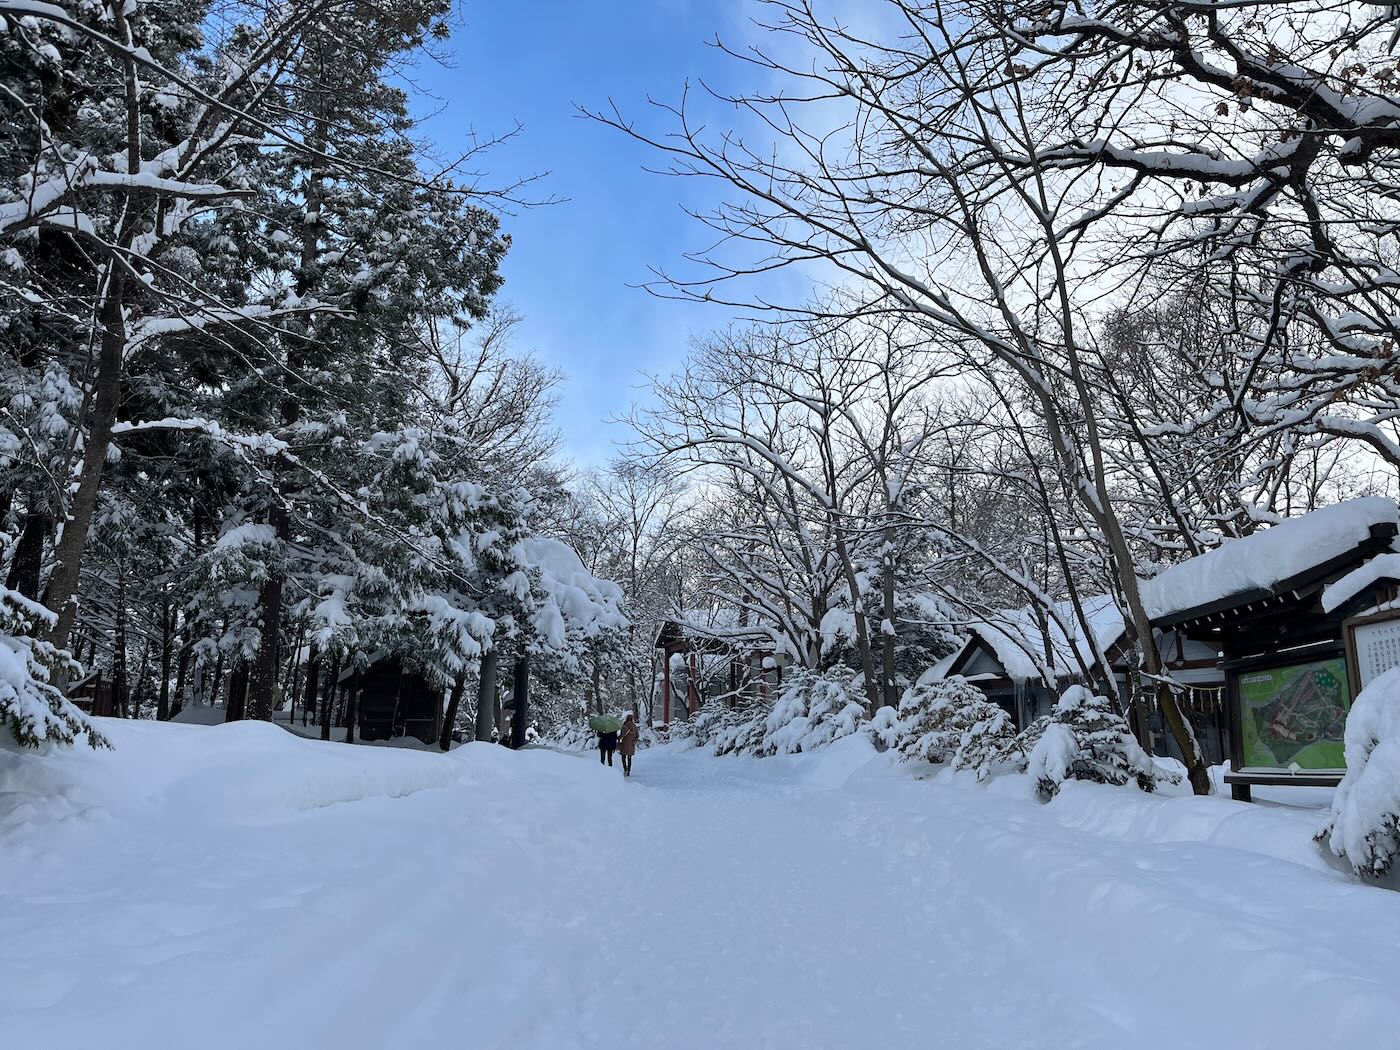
column 571, row 264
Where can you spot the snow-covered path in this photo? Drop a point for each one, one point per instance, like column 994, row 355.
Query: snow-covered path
column 229, row 887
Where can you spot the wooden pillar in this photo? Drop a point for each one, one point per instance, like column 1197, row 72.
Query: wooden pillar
column 1231, row 698
column 352, row 706
column 666, row 686
column 692, row 695
column 486, row 698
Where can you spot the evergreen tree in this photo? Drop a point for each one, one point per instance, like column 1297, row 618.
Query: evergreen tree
column 1086, row 739
column 32, row 708
column 948, row 720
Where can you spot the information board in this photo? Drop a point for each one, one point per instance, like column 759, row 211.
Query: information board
column 1295, row 716
column 1377, row 647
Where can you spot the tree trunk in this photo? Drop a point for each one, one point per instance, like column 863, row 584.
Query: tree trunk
column 328, row 699
column 27, row 562
column 119, row 682
column 289, row 676
column 181, row 674
column 521, row 696
column 313, row 682
column 351, row 704
column 166, row 644
column 486, row 697
column 889, row 692
column 62, row 592
column 216, row 681
column 143, row 678
column 454, row 701
column 262, row 680
column 867, row 659
column 235, row 704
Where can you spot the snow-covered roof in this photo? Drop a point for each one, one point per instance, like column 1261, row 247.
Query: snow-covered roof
column 1018, row 640
column 370, row 661
column 1382, row 567
column 718, row 621
column 713, row 617
column 1271, row 556
column 940, row 669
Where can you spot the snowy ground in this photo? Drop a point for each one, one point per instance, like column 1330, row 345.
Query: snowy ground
column 235, row 886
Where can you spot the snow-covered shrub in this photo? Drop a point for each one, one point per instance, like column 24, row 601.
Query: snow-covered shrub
column 731, row 731
column 32, row 708
column 1364, row 825
column 1017, row 753
column 572, row 736
column 813, row 710
column 723, row 730
column 1086, row 739
column 578, row 737
column 947, row 720
column 684, row 730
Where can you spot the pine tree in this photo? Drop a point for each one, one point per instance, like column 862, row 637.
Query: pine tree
column 949, row 720
column 1086, row 739
column 33, row 710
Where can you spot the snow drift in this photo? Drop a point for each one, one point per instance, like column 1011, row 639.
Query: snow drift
column 1364, row 825
column 538, row 902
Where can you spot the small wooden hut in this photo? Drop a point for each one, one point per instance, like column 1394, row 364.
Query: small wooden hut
column 394, row 699
column 93, row 695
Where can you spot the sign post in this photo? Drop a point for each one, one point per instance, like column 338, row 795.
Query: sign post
column 1293, row 717
column 1373, row 646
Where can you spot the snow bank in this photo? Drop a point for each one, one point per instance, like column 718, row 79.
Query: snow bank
column 1274, row 554
column 1133, row 817
column 540, row 902
column 835, row 765
column 254, row 771
column 1364, row 826
column 238, row 773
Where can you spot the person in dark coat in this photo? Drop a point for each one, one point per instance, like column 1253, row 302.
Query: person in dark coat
column 607, row 744
column 627, row 743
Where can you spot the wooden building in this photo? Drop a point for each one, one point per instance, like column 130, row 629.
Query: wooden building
column 1258, row 602
column 1014, row 655
column 93, row 695
column 394, row 699
column 724, row 666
